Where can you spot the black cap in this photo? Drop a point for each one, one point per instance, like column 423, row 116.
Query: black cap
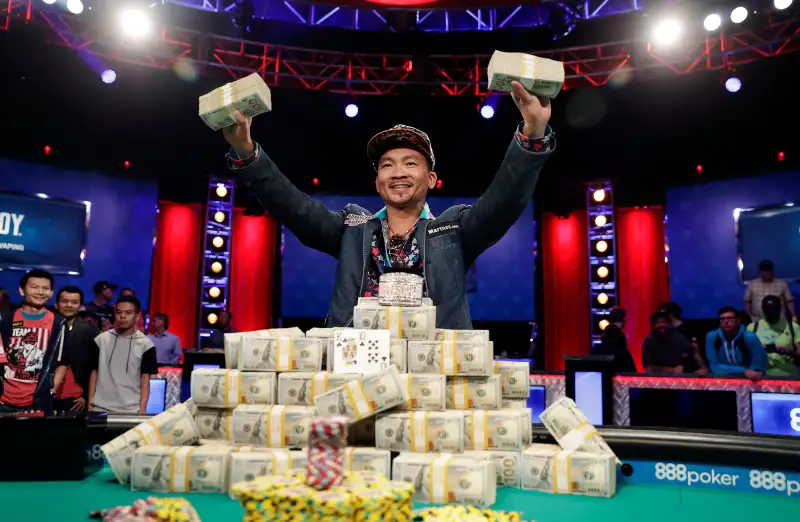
column 766, row 266
column 102, row 285
column 771, row 303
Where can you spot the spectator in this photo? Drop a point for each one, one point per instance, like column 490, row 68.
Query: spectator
column 32, row 348
column 74, row 391
column 613, row 342
column 168, row 345
column 223, row 326
column 127, row 291
column 733, row 350
column 126, row 359
column 665, row 350
column 5, row 303
column 694, row 364
column 766, row 285
column 779, row 337
column 90, row 318
column 101, row 306
column 139, row 318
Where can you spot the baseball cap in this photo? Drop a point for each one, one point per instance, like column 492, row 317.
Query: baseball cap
column 771, row 302
column 766, row 266
column 102, row 285
column 398, row 137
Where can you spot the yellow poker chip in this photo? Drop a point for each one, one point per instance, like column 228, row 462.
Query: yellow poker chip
column 464, row 514
column 335, row 503
column 260, row 487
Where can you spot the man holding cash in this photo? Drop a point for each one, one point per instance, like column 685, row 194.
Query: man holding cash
column 404, row 235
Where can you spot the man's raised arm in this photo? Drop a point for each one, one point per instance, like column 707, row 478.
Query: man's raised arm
column 313, row 224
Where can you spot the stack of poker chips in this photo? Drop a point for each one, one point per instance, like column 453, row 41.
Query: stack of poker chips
column 327, row 445
column 173, row 509
column 462, row 513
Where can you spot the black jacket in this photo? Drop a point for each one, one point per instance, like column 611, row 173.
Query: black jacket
column 613, row 342
column 81, row 347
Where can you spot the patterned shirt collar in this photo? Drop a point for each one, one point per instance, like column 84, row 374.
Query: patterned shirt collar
column 426, row 213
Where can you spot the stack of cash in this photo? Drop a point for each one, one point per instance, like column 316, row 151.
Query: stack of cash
column 302, row 388
column 507, row 467
column 215, row 424
column 272, row 426
column 496, row 430
column 445, row 479
column 546, row 467
column 202, row 469
column 426, row 391
column 539, row 76
column 247, row 466
column 514, row 404
column 371, row 459
column 249, row 95
column 281, row 354
column 474, row 393
column 462, row 335
column 220, row 388
column 414, row 323
column 364, row 397
column 572, row 430
column 450, row 357
column 514, row 378
column 233, row 341
column 325, row 335
column 421, row 431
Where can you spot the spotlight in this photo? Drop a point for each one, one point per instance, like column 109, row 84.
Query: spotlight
column 135, row 23
column 127, row 164
column 214, row 291
column 212, row 318
column 315, row 182
column 599, row 195
column 47, row 150
column 351, row 111
column 667, row 32
column 781, row 156
column 739, row 15
column 219, row 216
column 733, row 84
column 602, row 272
column 487, row 111
column 221, row 191
column 782, row 4
column 602, row 298
column 599, row 221
column 712, row 22
column 216, row 267
column 108, row 76
column 218, row 242
column 75, row 6
column 603, row 324
column 601, row 246
column 439, row 182
column 49, row 2
column 699, row 169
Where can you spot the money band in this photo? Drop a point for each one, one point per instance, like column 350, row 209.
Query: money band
column 450, row 335
column 528, row 66
column 281, row 462
column 153, row 425
column 275, row 429
column 447, row 358
column 283, row 356
column 319, row 384
column 479, row 429
column 179, row 469
column 439, row 480
column 562, row 472
column 460, row 394
column 394, row 316
column 358, row 398
column 419, row 431
column 410, row 401
column 577, row 436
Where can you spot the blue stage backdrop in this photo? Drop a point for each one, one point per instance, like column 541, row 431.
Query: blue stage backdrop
column 503, row 275
column 119, row 244
column 700, row 229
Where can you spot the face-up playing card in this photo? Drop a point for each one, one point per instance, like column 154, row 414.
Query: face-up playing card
column 360, row 351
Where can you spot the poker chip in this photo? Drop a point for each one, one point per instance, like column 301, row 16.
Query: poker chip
column 171, row 509
column 463, row 514
column 327, row 443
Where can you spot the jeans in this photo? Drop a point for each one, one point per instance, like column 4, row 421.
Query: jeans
column 7, row 408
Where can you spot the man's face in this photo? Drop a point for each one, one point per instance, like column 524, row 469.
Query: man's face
column 158, row 323
column 224, row 319
column 661, row 325
column 125, row 314
column 68, row 304
column 403, row 178
column 767, row 275
column 37, row 292
column 729, row 322
column 107, row 293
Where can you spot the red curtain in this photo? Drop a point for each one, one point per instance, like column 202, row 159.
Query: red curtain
column 565, row 264
column 641, row 270
column 176, row 258
column 252, row 271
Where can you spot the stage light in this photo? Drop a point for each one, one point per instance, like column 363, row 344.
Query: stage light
column 75, row 6
column 315, row 181
column 218, row 242
column 603, row 324
column 108, row 76
column 221, row 191
column 351, row 111
column 212, row 318
column 781, row 156
column 733, row 84
column 712, row 22
column 599, row 221
column 47, row 150
column 739, row 15
column 782, row 4
column 699, row 169
column 602, row 272
column 602, row 298
column 562, row 20
column 49, row 2
column 667, row 32
column 487, row 111
column 214, row 291
column 219, row 217
column 127, row 164
column 599, row 195
column 601, row 246
column 135, row 23
column 439, row 182
column 216, row 267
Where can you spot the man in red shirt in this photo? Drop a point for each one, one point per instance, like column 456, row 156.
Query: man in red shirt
column 33, row 355
column 74, row 391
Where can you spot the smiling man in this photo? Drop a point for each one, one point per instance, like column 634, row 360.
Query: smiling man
column 404, row 234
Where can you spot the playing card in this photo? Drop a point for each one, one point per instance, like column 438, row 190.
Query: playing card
column 360, row 351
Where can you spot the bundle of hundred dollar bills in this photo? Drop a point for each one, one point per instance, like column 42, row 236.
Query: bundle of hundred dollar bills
column 514, row 378
column 201, row 469
column 219, row 388
column 249, row 95
column 445, row 479
column 547, row 467
column 539, row 76
column 364, row 397
column 281, row 354
column 421, row 431
column 272, row 426
column 451, row 357
column 302, row 388
column 413, row 323
column 572, row 430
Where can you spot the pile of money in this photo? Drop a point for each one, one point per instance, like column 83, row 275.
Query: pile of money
column 450, row 357
column 219, row 388
column 421, row 431
column 281, row 354
column 364, row 397
column 572, row 430
column 426, row 391
column 302, row 388
column 495, row 430
column 272, row 426
column 507, row 467
column 249, row 95
column 214, row 424
column 546, row 467
column 514, row 404
column 462, row 335
column 248, row 466
column 202, row 469
column 474, row 393
column 514, row 378
column 445, row 479
column 539, row 76
column 368, row 459
column 417, row 323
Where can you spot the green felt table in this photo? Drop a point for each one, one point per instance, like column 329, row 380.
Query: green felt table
column 72, row 501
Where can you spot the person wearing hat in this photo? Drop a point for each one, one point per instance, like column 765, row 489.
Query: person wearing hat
column 613, row 342
column 779, row 337
column 101, row 307
column 404, row 234
column 767, row 284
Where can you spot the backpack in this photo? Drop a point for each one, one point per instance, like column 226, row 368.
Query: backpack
column 738, row 343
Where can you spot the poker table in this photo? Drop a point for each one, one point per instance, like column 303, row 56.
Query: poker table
column 666, row 476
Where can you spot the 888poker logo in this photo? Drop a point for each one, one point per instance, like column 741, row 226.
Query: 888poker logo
column 723, row 477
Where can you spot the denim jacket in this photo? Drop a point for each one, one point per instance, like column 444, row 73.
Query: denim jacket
column 449, row 244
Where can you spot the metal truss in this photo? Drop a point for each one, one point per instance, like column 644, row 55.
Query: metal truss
column 382, row 74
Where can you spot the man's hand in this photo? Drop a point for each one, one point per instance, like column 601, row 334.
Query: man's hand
column 80, row 404
column 238, row 136
column 702, row 372
column 535, row 111
column 752, row 374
